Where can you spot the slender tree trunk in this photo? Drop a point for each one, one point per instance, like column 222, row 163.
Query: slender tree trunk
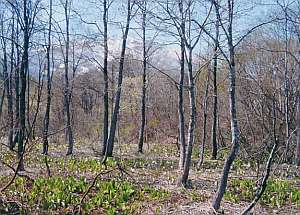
column 233, row 116
column 263, row 185
column 298, row 111
column 205, row 101
column 105, row 76
column 2, row 101
column 67, row 85
column 10, row 99
column 49, row 86
column 182, row 143
column 114, row 119
column 17, row 90
column 214, row 143
column 235, row 141
column 23, row 76
column 192, row 121
column 298, row 131
column 143, row 108
column 28, row 102
column 286, row 91
column 112, row 89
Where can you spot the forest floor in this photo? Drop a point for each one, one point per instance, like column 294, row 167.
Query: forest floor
column 133, row 183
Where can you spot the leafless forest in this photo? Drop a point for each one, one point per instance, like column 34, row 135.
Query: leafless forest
column 150, row 107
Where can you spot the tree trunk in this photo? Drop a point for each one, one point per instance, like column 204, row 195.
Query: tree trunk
column 17, row 90
column 192, row 121
column 233, row 116
column 23, row 76
column 105, row 77
column 298, row 112
column 49, row 86
column 182, row 144
column 235, row 141
column 67, row 87
column 214, row 143
column 28, row 102
column 298, row 132
column 143, row 108
column 286, row 91
column 10, row 99
column 114, row 119
column 205, row 101
column 2, row 101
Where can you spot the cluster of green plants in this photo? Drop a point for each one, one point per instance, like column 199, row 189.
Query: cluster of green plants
column 223, row 153
column 82, row 165
column 278, row 192
column 160, row 164
column 8, row 157
column 196, row 196
column 55, row 193
column 115, row 197
column 154, row 194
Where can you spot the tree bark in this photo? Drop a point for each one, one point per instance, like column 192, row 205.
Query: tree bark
column 205, row 103
column 182, row 142
column 114, row 119
column 233, row 115
column 69, row 130
column 49, row 86
column 143, row 108
column 17, row 90
column 10, row 99
column 298, row 111
column 2, row 101
column 28, row 103
column 298, row 131
column 286, row 91
column 105, row 77
column 192, row 121
column 23, row 76
column 214, row 143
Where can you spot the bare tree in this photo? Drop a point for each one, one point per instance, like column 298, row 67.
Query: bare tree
column 114, row 118
column 27, row 22
column 49, row 84
column 190, row 43
column 233, row 108
column 67, row 96
column 143, row 108
column 205, row 108
column 182, row 142
column 214, row 143
column 105, row 77
column 12, row 68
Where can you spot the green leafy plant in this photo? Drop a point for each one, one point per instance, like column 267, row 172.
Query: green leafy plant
column 278, row 192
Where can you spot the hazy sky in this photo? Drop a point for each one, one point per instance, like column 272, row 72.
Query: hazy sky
column 249, row 14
